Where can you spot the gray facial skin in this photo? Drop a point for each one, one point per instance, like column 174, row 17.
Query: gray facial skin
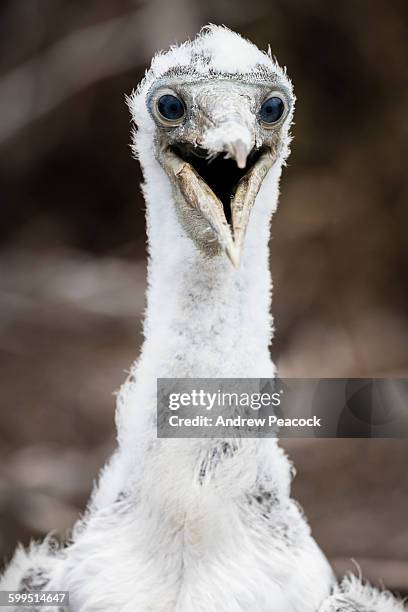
column 217, row 154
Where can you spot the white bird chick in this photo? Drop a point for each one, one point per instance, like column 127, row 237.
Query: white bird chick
column 200, row 525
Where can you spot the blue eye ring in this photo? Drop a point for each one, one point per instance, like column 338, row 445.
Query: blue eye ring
column 169, row 108
column 272, row 110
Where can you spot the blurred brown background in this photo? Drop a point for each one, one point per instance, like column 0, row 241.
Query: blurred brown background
column 72, row 247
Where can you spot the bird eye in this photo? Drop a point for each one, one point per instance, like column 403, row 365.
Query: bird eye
column 272, row 110
column 170, row 109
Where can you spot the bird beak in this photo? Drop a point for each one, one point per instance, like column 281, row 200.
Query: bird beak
column 245, row 196
column 198, row 194
column 238, row 151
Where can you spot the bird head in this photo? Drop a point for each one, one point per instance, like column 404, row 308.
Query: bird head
column 218, row 112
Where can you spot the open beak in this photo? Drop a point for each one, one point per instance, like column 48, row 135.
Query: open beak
column 223, row 189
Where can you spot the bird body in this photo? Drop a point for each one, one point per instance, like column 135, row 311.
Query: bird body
column 157, row 536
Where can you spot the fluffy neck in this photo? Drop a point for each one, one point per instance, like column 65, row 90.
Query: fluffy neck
column 204, row 318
